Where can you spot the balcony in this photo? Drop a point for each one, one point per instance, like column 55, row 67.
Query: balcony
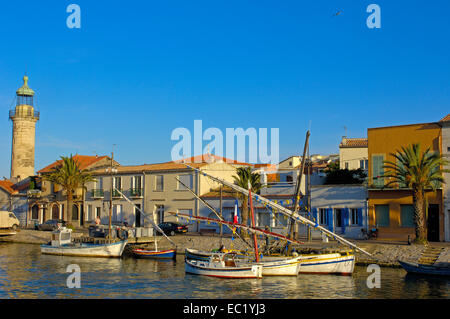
column 116, row 194
column 34, row 193
column 136, row 192
column 97, row 193
column 24, row 114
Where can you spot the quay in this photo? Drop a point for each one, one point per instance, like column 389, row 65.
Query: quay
column 386, row 252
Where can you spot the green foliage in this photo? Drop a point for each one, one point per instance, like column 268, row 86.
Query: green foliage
column 335, row 175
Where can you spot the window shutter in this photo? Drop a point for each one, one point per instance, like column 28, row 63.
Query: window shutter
column 315, row 215
column 360, row 217
column 330, row 219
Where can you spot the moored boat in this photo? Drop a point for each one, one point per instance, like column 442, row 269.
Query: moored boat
column 416, row 268
column 162, row 254
column 223, row 266
column 335, row 263
column 62, row 245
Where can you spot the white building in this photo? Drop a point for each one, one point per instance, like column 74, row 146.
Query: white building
column 353, row 153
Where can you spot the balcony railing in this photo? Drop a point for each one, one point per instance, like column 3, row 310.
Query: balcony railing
column 115, row 193
column 136, row 192
column 24, row 114
column 97, row 193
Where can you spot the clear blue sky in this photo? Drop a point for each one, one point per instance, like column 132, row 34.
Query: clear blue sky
column 136, row 70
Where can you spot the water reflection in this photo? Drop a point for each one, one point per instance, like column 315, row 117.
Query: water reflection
column 26, row 273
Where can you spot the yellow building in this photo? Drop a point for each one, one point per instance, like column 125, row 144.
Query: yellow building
column 390, row 209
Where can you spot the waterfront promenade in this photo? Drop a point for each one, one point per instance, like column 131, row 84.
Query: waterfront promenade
column 386, row 252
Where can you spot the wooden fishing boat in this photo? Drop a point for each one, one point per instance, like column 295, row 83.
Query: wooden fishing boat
column 62, row 245
column 223, row 266
column 205, row 255
column 335, row 263
column 162, row 254
column 416, row 268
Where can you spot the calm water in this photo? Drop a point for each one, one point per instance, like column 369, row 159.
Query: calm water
column 25, row 273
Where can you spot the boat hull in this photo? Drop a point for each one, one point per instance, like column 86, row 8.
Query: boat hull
column 199, row 267
column 424, row 269
column 281, row 267
column 194, row 254
column 163, row 254
column 113, row 250
column 327, row 264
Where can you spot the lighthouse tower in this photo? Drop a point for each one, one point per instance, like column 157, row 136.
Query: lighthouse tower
column 24, row 119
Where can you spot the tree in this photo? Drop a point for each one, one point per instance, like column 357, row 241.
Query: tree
column 70, row 177
column 335, row 175
column 419, row 172
column 244, row 176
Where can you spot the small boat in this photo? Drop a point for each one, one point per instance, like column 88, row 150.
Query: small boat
column 281, row 266
column 416, row 268
column 335, row 263
column 223, row 266
column 205, row 255
column 62, row 245
column 162, row 254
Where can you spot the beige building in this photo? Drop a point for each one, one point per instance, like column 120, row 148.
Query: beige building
column 353, row 153
column 445, row 124
column 24, row 119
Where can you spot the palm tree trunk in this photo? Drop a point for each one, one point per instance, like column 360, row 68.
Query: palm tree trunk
column 69, row 207
column 419, row 215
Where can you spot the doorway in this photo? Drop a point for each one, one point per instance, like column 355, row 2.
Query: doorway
column 433, row 222
column 55, row 211
column 137, row 216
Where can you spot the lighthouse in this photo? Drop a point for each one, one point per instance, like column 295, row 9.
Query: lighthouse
column 24, row 119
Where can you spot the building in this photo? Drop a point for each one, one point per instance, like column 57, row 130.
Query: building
column 391, row 209
column 155, row 190
column 353, row 153
column 342, row 209
column 445, row 126
column 24, row 118
column 13, row 198
column 48, row 201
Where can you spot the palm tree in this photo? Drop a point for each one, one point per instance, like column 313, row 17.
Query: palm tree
column 70, row 177
column 419, row 172
column 244, row 176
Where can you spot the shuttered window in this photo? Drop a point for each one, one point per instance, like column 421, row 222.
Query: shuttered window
column 407, row 215
column 382, row 215
column 377, row 170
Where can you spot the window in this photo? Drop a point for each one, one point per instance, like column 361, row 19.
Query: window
column 98, row 212
column 117, row 213
column 117, row 182
column 382, row 215
column 338, row 214
column 406, row 215
column 323, row 216
column 136, row 182
column 98, row 184
column 159, row 210
column 263, row 219
column 159, row 182
column 186, row 180
column 346, row 165
column 281, row 220
column 377, row 170
column 354, row 215
column 89, row 213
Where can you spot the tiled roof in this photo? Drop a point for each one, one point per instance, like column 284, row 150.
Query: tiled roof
column 210, row 158
column 83, row 161
column 445, row 118
column 7, row 186
column 354, row 142
column 168, row 166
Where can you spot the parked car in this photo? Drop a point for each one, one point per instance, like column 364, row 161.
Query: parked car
column 51, row 224
column 8, row 220
column 171, row 228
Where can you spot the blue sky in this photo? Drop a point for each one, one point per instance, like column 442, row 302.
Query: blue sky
column 136, row 70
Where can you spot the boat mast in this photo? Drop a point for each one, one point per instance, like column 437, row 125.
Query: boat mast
column 110, row 197
column 255, row 242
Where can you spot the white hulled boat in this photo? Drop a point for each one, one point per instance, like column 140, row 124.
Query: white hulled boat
column 62, row 245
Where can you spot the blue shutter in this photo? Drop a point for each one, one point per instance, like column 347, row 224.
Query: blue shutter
column 360, row 217
column 330, row 219
column 315, row 215
column 344, row 219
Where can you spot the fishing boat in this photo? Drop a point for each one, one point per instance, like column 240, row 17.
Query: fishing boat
column 62, row 245
column 416, row 268
column 155, row 254
column 223, row 266
column 335, row 263
column 205, row 255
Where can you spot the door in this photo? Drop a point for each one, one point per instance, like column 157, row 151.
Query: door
column 137, row 216
column 74, row 212
column 55, row 211
column 433, row 222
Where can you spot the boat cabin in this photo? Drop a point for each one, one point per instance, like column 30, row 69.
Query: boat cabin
column 61, row 236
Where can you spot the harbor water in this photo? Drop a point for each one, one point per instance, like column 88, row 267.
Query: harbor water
column 26, row 273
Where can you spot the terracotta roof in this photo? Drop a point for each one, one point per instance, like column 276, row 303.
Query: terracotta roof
column 354, row 142
column 209, row 158
column 8, row 186
column 445, row 118
column 83, row 161
column 168, row 166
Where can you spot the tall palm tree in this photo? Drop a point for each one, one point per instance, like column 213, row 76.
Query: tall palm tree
column 420, row 172
column 244, row 176
column 70, row 177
